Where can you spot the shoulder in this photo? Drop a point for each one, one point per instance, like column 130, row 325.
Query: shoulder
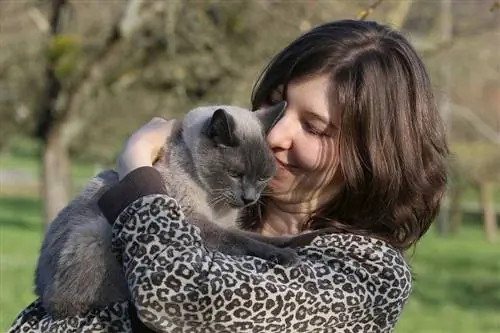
column 364, row 263
column 371, row 254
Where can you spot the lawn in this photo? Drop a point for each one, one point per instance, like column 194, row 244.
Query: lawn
column 20, row 237
column 457, row 285
column 31, row 167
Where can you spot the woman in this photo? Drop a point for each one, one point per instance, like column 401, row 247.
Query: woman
column 360, row 149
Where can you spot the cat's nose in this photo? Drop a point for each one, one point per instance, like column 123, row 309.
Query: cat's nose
column 249, row 195
column 247, row 199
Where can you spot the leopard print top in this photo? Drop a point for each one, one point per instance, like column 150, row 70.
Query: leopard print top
column 343, row 283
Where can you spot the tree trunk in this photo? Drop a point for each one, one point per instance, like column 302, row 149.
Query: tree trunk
column 456, row 214
column 446, row 75
column 55, row 177
column 443, row 219
column 489, row 214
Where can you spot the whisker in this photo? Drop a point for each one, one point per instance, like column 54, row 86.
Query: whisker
column 220, row 196
column 216, row 200
column 227, row 199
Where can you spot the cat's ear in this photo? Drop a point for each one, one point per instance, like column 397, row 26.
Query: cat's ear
column 271, row 115
column 221, row 128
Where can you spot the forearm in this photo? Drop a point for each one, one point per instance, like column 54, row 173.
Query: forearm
column 138, row 183
column 152, row 246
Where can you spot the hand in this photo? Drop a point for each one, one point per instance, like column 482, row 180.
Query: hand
column 144, row 145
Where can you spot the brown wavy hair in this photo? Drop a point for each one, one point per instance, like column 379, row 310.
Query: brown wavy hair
column 392, row 141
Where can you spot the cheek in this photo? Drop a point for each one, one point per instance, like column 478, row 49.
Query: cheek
column 316, row 154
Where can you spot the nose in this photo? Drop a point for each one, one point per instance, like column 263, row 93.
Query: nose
column 249, row 196
column 281, row 135
column 247, row 200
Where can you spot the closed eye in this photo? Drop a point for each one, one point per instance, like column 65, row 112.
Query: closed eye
column 235, row 174
column 313, row 130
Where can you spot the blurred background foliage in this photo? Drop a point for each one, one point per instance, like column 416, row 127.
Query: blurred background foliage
column 77, row 77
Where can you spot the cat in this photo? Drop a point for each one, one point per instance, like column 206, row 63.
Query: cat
column 216, row 165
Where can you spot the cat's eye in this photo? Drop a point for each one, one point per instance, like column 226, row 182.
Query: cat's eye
column 235, row 174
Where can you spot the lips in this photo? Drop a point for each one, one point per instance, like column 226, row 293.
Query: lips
column 283, row 166
column 279, row 163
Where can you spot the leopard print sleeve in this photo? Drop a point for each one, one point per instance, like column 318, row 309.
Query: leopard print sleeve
column 342, row 282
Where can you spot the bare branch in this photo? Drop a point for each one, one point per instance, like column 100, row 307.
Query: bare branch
column 74, row 118
column 495, row 6
column 172, row 11
column 39, row 19
column 70, row 118
column 130, row 19
column 363, row 15
column 484, row 129
column 57, row 7
column 446, row 38
column 52, row 85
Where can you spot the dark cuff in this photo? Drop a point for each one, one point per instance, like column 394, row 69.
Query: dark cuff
column 141, row 182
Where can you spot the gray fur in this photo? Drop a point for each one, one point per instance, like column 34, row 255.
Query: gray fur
column 77, row 270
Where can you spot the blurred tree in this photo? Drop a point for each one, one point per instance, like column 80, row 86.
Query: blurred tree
column 458, row 40
column 495, row 5
column 177, row 55
column 108, row 67
column 83, row 79
column 61, row 115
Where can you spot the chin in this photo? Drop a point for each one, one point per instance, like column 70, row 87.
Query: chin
column 278, row 186
column 285, row 186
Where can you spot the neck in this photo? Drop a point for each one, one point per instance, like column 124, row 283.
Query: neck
column 283, row 219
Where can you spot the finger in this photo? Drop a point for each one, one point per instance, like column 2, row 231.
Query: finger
column 157, row 129
column 160, row 120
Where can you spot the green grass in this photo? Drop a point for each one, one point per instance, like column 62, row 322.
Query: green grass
column 456, row 288
column 20, row 238
column 471, row 194
column 31, row 166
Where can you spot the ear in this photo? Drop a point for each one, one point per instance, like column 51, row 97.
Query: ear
column 271, row 115
column 221, row 128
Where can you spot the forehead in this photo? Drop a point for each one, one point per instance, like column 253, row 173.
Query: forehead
column 312, row 94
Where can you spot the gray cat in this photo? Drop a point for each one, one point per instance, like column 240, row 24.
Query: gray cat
column 217, row 165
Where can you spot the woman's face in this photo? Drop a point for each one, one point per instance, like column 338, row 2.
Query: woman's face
column 304, row 143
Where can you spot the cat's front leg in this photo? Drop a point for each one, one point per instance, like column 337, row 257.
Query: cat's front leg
column 238, row 242
column 291, row 241
column 243, row 243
